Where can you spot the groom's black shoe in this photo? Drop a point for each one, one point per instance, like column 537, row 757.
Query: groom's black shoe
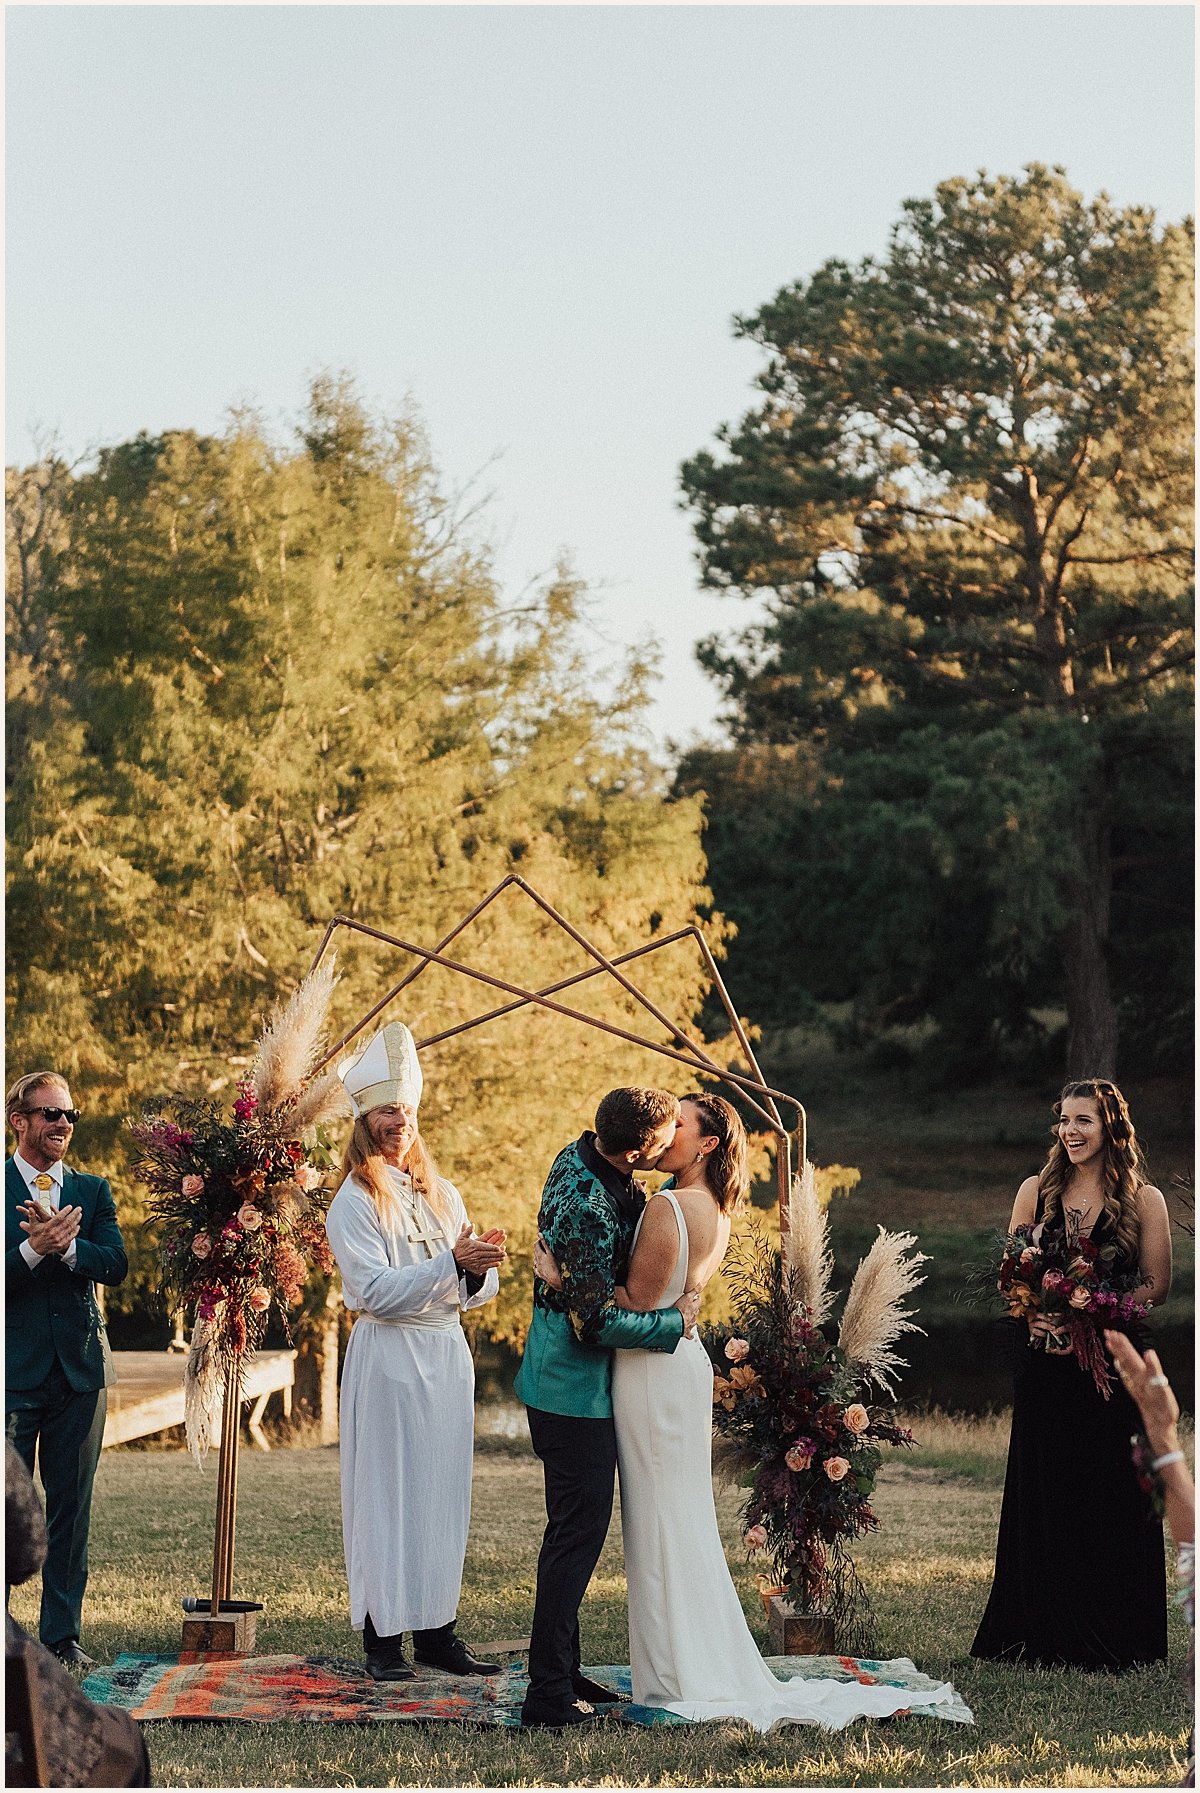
column 596, row 1693
column 453, row 1658
column 548, row 1715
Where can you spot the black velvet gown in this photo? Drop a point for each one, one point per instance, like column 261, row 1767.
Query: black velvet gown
column 1080, row 1577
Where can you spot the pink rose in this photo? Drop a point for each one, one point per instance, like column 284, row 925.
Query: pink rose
column 836, row 1468
column 1080, row 1298
column 259, row 1299
column 308, row 1177
column 201, row 1246
column 756, row 1537
column 800, row 1455
column 249, row 1218
column 737, row 1350
column 856, row 1417
column 192, row 1185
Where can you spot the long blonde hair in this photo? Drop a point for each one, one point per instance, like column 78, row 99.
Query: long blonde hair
column 363, row 1161
column 1123, row 1169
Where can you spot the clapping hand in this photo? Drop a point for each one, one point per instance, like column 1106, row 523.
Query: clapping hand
column 479, row 1253
column 1143, row 1378
column 50, row 1230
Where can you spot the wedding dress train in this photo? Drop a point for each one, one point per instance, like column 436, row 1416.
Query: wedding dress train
column 690, row 1648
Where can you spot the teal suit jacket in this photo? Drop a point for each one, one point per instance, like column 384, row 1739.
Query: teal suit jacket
column 567, row 1366
column 50, row 1312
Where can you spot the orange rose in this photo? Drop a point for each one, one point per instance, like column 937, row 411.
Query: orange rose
column 836, row 1468
column 259, row 1299
column 736, row 1350
column 856, row 1417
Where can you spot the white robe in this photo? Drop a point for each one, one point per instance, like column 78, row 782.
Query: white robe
column 407, row 1412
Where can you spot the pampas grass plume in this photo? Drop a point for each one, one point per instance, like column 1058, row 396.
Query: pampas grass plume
column 806, row 1247
column 291, row 1041
column 874, row 1318
column 324, row 1100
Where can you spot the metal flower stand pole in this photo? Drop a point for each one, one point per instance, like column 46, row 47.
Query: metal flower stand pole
column 223, row 1624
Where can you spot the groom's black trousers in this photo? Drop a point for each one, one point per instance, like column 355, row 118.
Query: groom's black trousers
column 579, row 1458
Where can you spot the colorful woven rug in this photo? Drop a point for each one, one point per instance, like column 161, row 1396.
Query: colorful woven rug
column 334, row 1690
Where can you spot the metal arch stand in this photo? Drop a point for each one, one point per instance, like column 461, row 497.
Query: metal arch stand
column 760, row 1096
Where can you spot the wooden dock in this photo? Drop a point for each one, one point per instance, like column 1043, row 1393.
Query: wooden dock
column 148, row 1396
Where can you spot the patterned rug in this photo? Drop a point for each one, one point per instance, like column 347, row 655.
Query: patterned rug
column 334, row 1690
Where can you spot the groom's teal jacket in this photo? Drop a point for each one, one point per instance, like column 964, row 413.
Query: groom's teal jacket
column 587, row 1218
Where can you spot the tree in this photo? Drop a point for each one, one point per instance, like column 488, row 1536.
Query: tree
column 253, row 684
column 968, row 490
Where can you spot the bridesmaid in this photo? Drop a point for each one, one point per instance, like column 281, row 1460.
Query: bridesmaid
column 1080, row 1578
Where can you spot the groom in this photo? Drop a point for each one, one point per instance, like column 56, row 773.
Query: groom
column 590, row 1207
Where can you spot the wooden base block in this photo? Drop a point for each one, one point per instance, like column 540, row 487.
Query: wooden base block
column 791, row 1633
column 229, row 1633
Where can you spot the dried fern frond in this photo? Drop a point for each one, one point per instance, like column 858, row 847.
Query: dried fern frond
column 806, row 1248
column 291, row 1041
column 874, row 1318
column 324, row 1100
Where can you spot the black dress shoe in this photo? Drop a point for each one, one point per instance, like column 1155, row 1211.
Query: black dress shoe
column 70, row 1653
column 389, row 1665
column 584, row 1688
column 548, row 1715
column 454, row 1658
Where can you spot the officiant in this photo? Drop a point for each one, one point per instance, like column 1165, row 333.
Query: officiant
column 410, row 1263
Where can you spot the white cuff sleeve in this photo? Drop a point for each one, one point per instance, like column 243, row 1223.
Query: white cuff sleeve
column 68, row 1256
column 32, row 1258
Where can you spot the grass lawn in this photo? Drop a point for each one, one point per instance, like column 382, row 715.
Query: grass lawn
column 928, row 1571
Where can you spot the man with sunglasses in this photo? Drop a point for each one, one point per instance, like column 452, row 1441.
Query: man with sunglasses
column 61, row 1237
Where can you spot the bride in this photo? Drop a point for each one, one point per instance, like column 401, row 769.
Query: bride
column 690, row 1648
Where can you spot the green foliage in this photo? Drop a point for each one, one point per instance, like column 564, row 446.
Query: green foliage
column 965, row 722
column 253, row 684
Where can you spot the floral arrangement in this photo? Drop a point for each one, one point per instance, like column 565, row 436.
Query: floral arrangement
column 792, row 1409
column 1066, row 1277
column 238, row 1199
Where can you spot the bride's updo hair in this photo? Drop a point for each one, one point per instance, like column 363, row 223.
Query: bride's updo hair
column 727, row 1175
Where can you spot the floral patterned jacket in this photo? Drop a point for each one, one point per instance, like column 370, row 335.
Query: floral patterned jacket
column 588, row 1222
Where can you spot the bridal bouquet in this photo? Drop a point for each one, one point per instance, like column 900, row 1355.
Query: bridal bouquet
column 793, row 1412
column 238, row 1197
column 1064, row 1276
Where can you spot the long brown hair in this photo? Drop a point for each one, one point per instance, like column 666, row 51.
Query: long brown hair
column 725, row 1167
column 363, row 1161
column 1123, row 1169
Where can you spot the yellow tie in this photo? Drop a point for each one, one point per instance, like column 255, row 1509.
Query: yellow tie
column 42, row 1181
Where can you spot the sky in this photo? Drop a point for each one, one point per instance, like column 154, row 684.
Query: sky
column 535, row 222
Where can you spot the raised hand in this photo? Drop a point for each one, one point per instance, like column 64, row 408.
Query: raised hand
column 50, row 1230
column 478, row 1254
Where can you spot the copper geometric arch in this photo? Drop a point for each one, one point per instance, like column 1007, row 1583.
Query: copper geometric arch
column 756, row 1092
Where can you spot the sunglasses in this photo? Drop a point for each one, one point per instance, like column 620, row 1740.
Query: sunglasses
column 58, row 1114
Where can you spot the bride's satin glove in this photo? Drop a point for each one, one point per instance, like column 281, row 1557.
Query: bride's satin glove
column 545, row 1265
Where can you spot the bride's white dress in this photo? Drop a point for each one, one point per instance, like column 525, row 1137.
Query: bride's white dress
column 690, row 1648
